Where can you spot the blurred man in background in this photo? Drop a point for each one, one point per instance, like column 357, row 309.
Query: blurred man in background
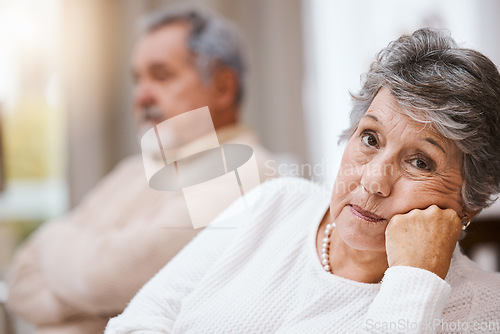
column 76, row 272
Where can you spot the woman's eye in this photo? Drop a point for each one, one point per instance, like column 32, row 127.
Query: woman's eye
column 421, row 164
column 369, row 139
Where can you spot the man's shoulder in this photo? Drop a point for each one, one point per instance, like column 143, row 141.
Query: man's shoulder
column 128, row 174
column 127, row 167
column 242, row 134
column 131, row 161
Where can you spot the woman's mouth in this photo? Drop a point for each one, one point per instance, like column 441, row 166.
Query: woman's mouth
column 365, row 215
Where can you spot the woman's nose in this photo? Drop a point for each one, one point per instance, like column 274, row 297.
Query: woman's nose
column 377, row 178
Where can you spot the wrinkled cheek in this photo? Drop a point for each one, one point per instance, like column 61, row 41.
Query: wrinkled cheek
column 442, row 197
column 346, row 182
column 349, row 176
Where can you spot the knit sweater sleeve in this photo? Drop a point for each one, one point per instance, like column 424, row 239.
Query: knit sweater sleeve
column 155, row 307
column 410, row 300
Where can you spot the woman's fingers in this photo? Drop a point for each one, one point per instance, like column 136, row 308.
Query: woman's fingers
column 423, row 239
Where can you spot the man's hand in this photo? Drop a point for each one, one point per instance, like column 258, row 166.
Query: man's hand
column 423, row 239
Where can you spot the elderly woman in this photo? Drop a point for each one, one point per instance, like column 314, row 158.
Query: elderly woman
column 380, row 254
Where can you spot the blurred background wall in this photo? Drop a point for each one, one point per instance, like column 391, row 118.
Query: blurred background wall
column 65, row 86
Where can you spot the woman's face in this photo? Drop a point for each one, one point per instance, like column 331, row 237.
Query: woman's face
column 391, row 165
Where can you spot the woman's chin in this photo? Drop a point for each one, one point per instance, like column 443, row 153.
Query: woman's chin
column 360, row 234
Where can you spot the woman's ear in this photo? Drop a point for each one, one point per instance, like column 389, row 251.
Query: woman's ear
column 471, row 214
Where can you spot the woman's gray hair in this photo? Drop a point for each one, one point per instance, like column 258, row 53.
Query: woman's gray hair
column 455, row 90
column 212, row 39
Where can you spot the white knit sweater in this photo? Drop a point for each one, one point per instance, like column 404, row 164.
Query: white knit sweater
column 265, row 277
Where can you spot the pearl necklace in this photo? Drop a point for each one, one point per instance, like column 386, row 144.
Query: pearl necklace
column 325, row 260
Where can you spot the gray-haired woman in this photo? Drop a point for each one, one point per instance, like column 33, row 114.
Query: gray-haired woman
column 378, row 256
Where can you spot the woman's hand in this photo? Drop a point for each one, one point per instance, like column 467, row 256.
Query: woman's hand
column 423, row 239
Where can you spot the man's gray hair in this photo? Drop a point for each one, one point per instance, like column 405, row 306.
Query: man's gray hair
column 212, row 39
column 455, row 90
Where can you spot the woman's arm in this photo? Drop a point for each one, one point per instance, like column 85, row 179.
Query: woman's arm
column 411, row 300
column 155, row 307
column 419, row 247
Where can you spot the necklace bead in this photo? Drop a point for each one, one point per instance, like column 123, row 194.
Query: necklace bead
column 325, row 258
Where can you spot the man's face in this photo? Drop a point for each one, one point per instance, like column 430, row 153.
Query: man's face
column 166, row 79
